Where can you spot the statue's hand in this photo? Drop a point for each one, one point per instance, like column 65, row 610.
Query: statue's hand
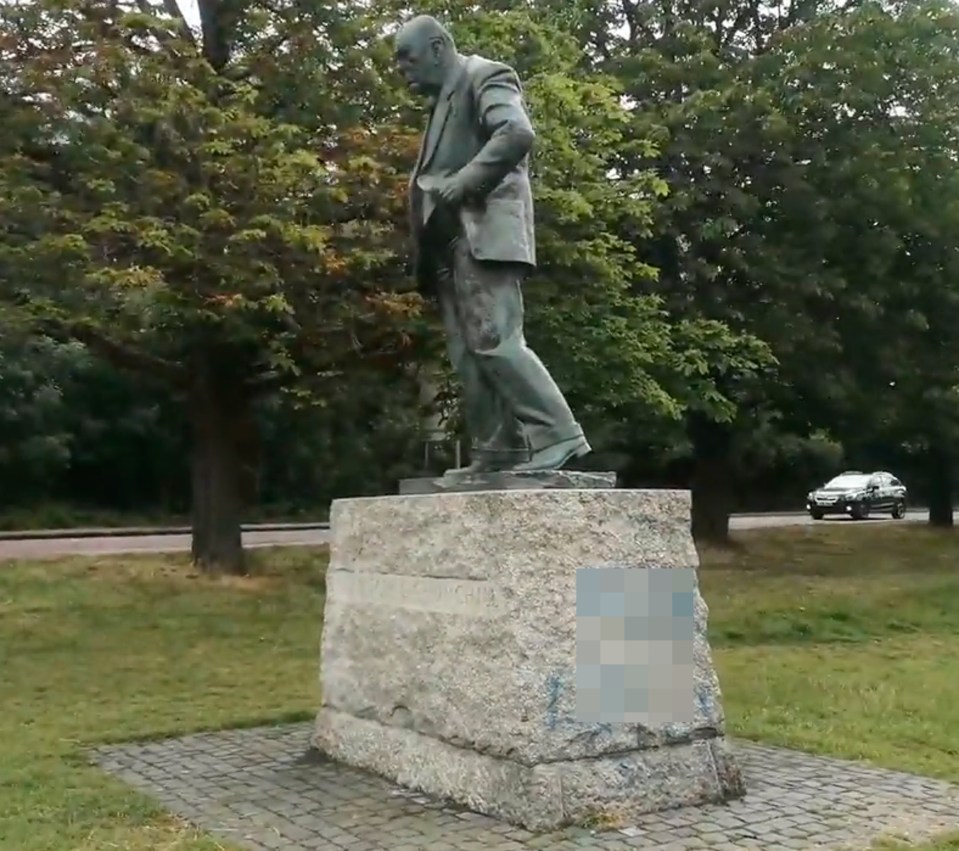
column 451, row 190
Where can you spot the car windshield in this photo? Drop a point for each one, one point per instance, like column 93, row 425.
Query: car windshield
column 847, row 481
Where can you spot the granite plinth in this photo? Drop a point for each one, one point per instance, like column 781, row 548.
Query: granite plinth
column 450, row 653
column 507, row 480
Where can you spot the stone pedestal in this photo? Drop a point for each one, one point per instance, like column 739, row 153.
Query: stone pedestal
column 507, row 480
column 457, row 654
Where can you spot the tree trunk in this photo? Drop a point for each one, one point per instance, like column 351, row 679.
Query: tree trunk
column 711, row 480
column 220, row 421
column 940, row 484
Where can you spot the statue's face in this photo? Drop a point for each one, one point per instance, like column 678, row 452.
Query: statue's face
column 420, row 58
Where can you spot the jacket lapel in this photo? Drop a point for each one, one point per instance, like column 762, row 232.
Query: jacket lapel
column 419, row 156
column 441, row 113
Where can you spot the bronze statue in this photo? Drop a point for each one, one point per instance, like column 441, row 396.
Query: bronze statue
column 472, row 219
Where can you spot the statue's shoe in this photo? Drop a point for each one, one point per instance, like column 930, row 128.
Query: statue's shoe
column 556, row 456
column 473, row 469
column 491, row 462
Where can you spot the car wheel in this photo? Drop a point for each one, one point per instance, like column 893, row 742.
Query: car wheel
column 899, row 510
column 860, row 511
column 816, row 515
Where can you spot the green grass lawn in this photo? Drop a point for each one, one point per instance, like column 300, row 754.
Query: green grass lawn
column 842, row 639
column 835, row 638
column 108, row 650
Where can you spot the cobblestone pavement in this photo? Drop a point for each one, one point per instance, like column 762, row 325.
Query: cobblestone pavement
column 261, row 789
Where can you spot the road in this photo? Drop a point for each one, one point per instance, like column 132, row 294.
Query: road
column 54, row 543
column 761, row 521
column 53, row 546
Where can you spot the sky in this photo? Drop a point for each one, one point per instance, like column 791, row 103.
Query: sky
column 190, row 11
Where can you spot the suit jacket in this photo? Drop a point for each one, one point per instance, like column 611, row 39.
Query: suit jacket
column 480, row 130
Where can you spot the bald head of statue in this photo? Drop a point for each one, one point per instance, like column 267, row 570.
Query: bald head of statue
column 425, row 54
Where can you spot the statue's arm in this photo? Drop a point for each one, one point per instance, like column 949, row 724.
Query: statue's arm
column 502, row 114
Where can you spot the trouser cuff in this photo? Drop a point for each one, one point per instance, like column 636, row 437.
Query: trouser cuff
column 541, row 438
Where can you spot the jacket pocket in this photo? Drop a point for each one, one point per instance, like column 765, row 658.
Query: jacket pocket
column 500, row 230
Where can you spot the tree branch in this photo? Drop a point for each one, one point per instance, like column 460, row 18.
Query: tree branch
column 269, row 47
column 737, row 26
column 634, row 25
column 120, row 355
column 173, row 10
column 218, row 24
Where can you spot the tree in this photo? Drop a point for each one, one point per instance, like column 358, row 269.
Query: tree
column 164, row 201
column 74, row 431
column 34, row 442
column 873, row 97
column 786, row 134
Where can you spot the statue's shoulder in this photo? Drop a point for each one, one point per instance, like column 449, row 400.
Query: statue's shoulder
column 479, row 67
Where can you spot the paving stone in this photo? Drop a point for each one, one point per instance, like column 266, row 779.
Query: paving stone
column 254, row 789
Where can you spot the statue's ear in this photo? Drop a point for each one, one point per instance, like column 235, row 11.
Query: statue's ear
column 437, row 46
